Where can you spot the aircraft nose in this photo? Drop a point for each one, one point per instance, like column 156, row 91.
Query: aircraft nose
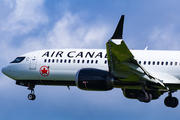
column 11, row 71
column 5, row 70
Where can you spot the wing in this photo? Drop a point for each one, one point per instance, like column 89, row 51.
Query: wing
column 121, row 61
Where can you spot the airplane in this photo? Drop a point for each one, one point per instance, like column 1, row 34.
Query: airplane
column 144, row 75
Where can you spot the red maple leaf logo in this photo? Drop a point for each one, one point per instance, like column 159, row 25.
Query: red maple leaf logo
column 44, row 71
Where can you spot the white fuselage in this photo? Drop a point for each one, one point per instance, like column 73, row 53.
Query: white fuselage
column 63, row 64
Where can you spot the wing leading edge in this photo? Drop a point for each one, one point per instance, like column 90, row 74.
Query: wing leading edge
column 121, row 61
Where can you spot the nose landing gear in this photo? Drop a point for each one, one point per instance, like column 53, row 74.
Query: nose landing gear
column 31, row 96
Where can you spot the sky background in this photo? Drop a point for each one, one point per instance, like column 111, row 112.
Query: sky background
column 29, row 25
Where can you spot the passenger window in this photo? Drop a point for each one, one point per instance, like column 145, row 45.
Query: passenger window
column 171, row 63
column 96, row 61
column 74, row 61
column 82, row 61
column 78, row 61
column 53, row 61
column 175, row 63
column 139, row 62
column 49, row 60
column 105, row 61
column 87, row 61
column 166, row 63
column 69, row 61
column 144, row 62
column 57, row 60
column 45, row 60
column 61, row 61
column 91, row 61
column 162, row 63
column 158, row 63
column 153, row 62
column 149, row 62
column 65, row 61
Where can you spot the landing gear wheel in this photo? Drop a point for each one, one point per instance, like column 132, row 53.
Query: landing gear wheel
column 175, row 102
column 31, row 97
column 149, row 98
column 171, row 101
column 143, row 96
column 168, row 101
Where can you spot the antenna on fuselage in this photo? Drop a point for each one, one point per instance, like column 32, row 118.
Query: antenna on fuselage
column 119, row 29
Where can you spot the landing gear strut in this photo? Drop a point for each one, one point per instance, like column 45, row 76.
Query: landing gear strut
column 31, row 96
column 170, row 101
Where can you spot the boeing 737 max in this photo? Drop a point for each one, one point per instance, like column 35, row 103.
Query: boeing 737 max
column 141, row 74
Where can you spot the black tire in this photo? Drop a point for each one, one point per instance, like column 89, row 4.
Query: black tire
column 175, row 102
column 34, row 97
column 31, row 97
column 149, row 98
column 169, row 101
column 142, row 96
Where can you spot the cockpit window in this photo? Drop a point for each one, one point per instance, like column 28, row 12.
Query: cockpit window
column 18, row 60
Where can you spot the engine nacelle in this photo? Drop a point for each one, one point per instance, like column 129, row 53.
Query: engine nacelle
column 94, row 79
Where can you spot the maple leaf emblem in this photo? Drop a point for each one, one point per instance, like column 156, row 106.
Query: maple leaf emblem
column 44, row 71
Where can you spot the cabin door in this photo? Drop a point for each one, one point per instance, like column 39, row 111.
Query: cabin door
column 33, row 61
